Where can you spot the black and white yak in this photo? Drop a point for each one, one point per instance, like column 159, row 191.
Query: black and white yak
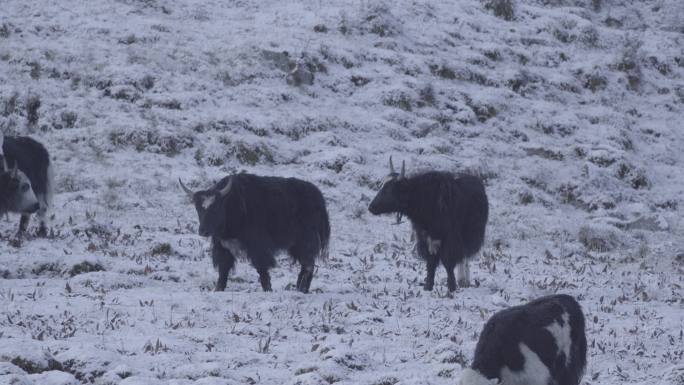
column 31, row 165
column 448, row 213
column 539, row 343
column 255, row 217
column 16, row 193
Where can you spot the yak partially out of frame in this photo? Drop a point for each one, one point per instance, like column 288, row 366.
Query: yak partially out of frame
column 257, row 216
column 16, row 194
column 33, row 163
column 448, row 213
column 542, row 342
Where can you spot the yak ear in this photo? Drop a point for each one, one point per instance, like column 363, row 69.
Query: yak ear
column 225, row 190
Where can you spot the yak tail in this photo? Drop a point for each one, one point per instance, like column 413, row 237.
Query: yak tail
column 49, row 185
column 324, row 236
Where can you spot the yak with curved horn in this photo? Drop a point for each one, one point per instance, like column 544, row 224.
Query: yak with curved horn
column 448, row 213
column 254, row 217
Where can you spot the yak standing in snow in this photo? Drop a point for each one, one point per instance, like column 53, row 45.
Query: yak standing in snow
column 257, row 216
column 31, row 175
column 448, row 213
column 542, row 342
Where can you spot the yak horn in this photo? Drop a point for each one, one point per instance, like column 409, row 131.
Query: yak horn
column 15, row 170
column 186, row 189
column 224, row 191
column 403, row 169
column 391, row 165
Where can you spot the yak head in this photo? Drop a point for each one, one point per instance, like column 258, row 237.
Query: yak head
column 16, row 194
column 208, row 204
column 392, row 195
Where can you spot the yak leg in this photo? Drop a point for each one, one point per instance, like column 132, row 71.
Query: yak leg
column 449, row 265
column 449, row 262
column 305, row 253
column 425, row 249
column 432, row 262
column 224, row 261
column 463, row 274
column 42, row 229
column 304, row 279
column 265, row 279
column 23, row 224
column 222, row 280
column 263, row 260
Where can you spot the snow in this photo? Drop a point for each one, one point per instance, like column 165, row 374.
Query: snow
column 572, row 115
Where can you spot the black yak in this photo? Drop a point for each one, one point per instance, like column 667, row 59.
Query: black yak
column 257, row 216
column 539, row 343
column 448, row 213
column 33, row 161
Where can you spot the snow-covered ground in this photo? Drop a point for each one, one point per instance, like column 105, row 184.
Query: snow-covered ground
column 572, row 112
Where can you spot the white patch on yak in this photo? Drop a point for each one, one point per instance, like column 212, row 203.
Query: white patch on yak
column 433, row 245
column 234, row 246
column 473, row 377
column 534, row 372
column 561, row 333
column 27, row 199
column 208, row 201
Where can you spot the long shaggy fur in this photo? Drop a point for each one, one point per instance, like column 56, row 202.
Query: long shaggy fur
column 261, row 216
column 452, row 209
column 448, row 213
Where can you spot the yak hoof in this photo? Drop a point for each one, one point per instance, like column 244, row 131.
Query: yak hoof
column 463, row 283
column 266, row 284
column 427, row 287
column 302, row 286
column 15, row 241
column 42, row 232
column 219, row 288
column 304, row 279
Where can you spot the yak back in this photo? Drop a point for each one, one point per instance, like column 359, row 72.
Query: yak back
column 271, row 213
column 451, row 208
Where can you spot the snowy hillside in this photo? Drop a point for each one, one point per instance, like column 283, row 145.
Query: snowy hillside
column 571, row 110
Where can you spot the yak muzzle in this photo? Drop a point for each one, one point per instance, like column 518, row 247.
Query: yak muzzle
column 373, row 208
column 33, row 208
